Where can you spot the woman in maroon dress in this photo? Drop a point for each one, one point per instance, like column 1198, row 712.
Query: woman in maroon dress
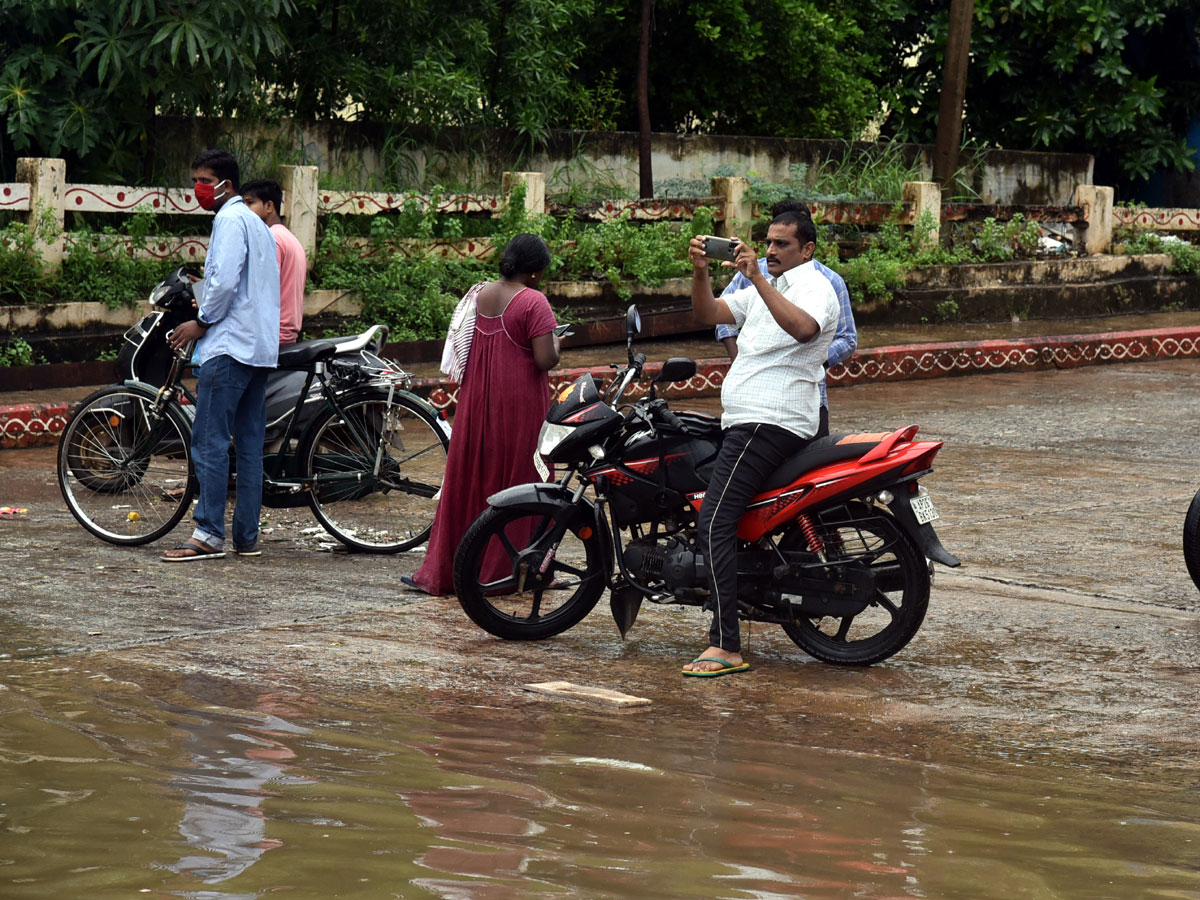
column 502, row 401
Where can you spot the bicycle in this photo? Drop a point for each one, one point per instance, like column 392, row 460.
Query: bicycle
column 375, row 451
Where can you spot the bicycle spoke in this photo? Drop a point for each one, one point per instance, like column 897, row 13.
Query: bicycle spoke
column 362, row 492
column 114, row 467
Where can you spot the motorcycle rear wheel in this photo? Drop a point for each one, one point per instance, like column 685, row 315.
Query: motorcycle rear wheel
column 1191, row 540
column 489, row 574
column 902, row 592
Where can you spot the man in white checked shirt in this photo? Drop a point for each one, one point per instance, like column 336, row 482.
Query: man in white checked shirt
column 771, row 398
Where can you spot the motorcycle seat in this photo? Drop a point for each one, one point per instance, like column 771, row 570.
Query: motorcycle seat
column 821, row 452
column 303, row 356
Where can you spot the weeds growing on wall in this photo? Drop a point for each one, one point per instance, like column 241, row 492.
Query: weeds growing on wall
column 879, row 269
column 1185, row 256
column 415, row 293
column 99, row 267
column 16, row 352
column 22, row 280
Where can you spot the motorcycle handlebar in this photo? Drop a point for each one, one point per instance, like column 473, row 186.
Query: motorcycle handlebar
column 670, row 419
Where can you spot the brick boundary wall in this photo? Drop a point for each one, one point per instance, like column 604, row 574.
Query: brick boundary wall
column 39, row 424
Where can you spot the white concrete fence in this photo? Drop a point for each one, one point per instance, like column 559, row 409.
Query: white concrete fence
column 43, row 191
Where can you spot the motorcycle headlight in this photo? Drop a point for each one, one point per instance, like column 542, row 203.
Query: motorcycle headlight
column 551, row 436
column 158, row 293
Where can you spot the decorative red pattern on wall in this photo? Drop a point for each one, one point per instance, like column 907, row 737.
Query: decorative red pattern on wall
column 103, row 198
column 31, row 424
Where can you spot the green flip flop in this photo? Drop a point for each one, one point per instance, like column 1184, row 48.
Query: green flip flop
column 727, row 668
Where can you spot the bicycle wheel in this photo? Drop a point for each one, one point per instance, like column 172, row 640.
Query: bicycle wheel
column 376, row 469
column 125, row 473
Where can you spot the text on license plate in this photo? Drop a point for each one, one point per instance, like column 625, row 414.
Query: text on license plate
column 922, row 507
column 544, row 471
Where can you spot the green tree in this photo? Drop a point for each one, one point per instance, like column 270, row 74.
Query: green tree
column 487, row 64
column 1115, row 78
column 784, row 68
column 87, row 79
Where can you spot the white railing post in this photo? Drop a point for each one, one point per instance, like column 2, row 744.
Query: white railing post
column 739, row 211
column 924, row 197
column 300, row 205
column 1097, row 203
column 535, row 189
column 47, row 180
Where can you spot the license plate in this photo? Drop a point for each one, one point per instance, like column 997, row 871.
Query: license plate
column 922, row 507
column 542, row 469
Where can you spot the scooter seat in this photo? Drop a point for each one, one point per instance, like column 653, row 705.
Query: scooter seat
column 303, row 356
column 821, row 452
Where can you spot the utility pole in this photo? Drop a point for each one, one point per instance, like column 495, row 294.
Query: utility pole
column 954, row 91
column 645, row 174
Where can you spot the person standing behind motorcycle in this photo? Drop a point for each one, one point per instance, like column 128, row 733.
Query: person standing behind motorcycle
column 237, row 345
column 845, row 340
column 770, row 397
column 265, row 199
column 503, row 345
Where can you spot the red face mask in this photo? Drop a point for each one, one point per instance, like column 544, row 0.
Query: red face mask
column 205, row 194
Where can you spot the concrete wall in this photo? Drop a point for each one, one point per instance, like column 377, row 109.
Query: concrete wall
column 357, row 153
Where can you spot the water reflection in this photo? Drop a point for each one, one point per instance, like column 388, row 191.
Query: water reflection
column 235, row 765
column 115, row 788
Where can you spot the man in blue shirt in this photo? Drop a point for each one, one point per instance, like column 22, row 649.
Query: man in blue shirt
column 845, row 339
column 237, row 335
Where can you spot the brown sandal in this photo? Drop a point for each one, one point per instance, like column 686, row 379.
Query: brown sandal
column 190, row 550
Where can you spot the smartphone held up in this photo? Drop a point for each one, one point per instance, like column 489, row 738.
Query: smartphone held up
column 721, row 248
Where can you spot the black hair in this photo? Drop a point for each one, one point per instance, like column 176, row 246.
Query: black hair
column 790, row 204
column 220, row 163
column 525, row 254
column 265, row 190
column 806, row 231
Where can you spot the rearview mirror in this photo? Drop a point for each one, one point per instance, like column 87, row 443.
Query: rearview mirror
column 633, row 322
column 633, row 327
column 677, row 368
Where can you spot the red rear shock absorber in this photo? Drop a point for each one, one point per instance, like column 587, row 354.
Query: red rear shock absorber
column 815, row 544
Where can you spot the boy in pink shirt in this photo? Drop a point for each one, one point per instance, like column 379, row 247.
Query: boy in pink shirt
column 265, row 199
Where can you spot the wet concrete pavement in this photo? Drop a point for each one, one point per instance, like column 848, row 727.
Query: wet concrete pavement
column 1071, row 632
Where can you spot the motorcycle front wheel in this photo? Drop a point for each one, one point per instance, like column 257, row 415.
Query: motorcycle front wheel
column 901, row 596
column 494, row 563
column 1191, row 540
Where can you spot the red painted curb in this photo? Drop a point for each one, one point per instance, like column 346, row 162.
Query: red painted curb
column 38, row 424
column 33, row 424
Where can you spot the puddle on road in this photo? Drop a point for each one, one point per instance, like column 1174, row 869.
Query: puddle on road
column 198, row 789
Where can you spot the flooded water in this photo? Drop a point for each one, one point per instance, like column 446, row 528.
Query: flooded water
column 123, row 785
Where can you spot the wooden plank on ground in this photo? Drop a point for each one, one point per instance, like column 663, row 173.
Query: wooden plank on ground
column 587, row 693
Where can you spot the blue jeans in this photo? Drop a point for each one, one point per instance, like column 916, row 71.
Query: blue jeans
column 231, row 402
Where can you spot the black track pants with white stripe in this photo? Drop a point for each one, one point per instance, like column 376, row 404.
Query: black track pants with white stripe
column 749, row 455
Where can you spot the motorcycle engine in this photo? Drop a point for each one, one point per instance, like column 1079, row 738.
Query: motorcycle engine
column 654, row 560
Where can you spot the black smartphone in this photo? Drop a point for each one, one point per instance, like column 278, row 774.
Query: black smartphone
column 721, row 248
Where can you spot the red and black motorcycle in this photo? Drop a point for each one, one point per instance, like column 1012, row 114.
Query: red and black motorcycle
column 837, row 548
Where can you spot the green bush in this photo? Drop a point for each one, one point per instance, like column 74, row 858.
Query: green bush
column 1185, row 256
column 16, row 352
column 22, row 279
